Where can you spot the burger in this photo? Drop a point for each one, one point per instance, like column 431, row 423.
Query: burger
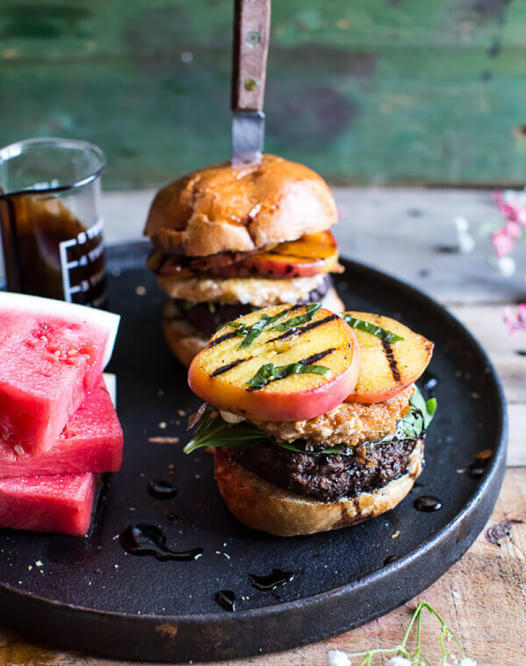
column 230, row 240
column 314, row 419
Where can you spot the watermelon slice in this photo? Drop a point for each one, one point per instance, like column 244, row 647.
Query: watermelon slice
column 90, row 442
column 48, row 503
column 51, row 355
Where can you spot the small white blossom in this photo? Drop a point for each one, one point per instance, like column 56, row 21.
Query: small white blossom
column 338, row 658
column 465, row 662
column 465, row 240
column 466, row 243
column 506, row 266
column 461, row 223
column 398, row 661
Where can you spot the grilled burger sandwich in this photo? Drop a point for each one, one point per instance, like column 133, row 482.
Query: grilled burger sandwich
column 315, row 420
column 229, row 240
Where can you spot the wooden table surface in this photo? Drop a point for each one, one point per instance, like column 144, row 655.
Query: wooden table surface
column 410, row 233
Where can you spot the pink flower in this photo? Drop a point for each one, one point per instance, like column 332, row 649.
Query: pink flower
column 512, row 205
column 504, row 239
column 502, row 243
column 515, row 319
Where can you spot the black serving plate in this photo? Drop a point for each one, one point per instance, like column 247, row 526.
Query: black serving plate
column 90, row 595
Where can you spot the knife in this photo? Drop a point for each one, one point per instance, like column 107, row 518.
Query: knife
column 250, row 49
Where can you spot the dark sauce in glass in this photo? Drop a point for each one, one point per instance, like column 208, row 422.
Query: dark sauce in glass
column 48, row 251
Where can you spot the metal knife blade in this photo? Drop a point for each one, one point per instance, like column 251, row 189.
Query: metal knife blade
column 248, row 135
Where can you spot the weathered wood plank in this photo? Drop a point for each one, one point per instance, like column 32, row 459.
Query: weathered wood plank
column 370, row 92
column 482, row 597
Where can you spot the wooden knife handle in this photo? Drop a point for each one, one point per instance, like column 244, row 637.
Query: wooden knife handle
column 250, row 49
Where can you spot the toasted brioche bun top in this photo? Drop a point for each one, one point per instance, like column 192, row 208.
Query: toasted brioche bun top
column 225, row 209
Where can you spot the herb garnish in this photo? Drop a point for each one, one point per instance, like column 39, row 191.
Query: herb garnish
column 186, row 305
column 269, row 372
column 310, row 311
column 373, row 329
column 250, row 333
column 418, row 419
column 214, row 431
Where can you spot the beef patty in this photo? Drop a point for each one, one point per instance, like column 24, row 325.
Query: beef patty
column 327, row 477
column 208, row 317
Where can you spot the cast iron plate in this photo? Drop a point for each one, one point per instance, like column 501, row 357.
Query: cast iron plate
column 92, row 596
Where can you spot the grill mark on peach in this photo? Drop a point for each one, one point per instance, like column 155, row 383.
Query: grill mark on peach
column 222, row 338
column 388, row 351
column 232, row 334
column 229, row 366
column 316, row 357
column 304, row 329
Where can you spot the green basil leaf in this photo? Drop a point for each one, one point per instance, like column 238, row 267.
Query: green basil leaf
column 254, row 331
column 311, row 310
column 426, row 408
column 373, row 329
column 269, row 372
column 213, row 431
column 186, row 305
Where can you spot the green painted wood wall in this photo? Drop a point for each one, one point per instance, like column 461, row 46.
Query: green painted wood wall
column 364, row 91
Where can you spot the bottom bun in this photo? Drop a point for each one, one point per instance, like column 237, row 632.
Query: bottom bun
column 266, row 507
column 185, row 341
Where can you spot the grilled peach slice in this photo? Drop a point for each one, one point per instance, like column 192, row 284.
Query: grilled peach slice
column 392, row 356
column 280, row 363
column 310, row 255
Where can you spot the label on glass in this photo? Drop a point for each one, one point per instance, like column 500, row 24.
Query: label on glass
column 83, row 267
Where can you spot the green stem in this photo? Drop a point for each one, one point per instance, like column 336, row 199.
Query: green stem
column 417, row 652
column 433, row 612
column 416, row 614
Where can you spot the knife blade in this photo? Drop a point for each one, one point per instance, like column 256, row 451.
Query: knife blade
column 250, row 50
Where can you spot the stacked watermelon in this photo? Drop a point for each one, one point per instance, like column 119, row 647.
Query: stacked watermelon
column 58, row 427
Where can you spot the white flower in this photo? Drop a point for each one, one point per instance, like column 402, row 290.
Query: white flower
column 461, row 223
column 465, row 240
column 338, row 658
column 398, row 661
column 465, row 662
column 506, row 266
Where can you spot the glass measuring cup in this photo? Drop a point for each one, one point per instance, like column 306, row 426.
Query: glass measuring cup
column 50, row 219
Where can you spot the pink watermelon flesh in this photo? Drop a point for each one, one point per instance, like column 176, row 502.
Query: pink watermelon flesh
column 47, row 366
column 90, row 442
column 48, row 503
